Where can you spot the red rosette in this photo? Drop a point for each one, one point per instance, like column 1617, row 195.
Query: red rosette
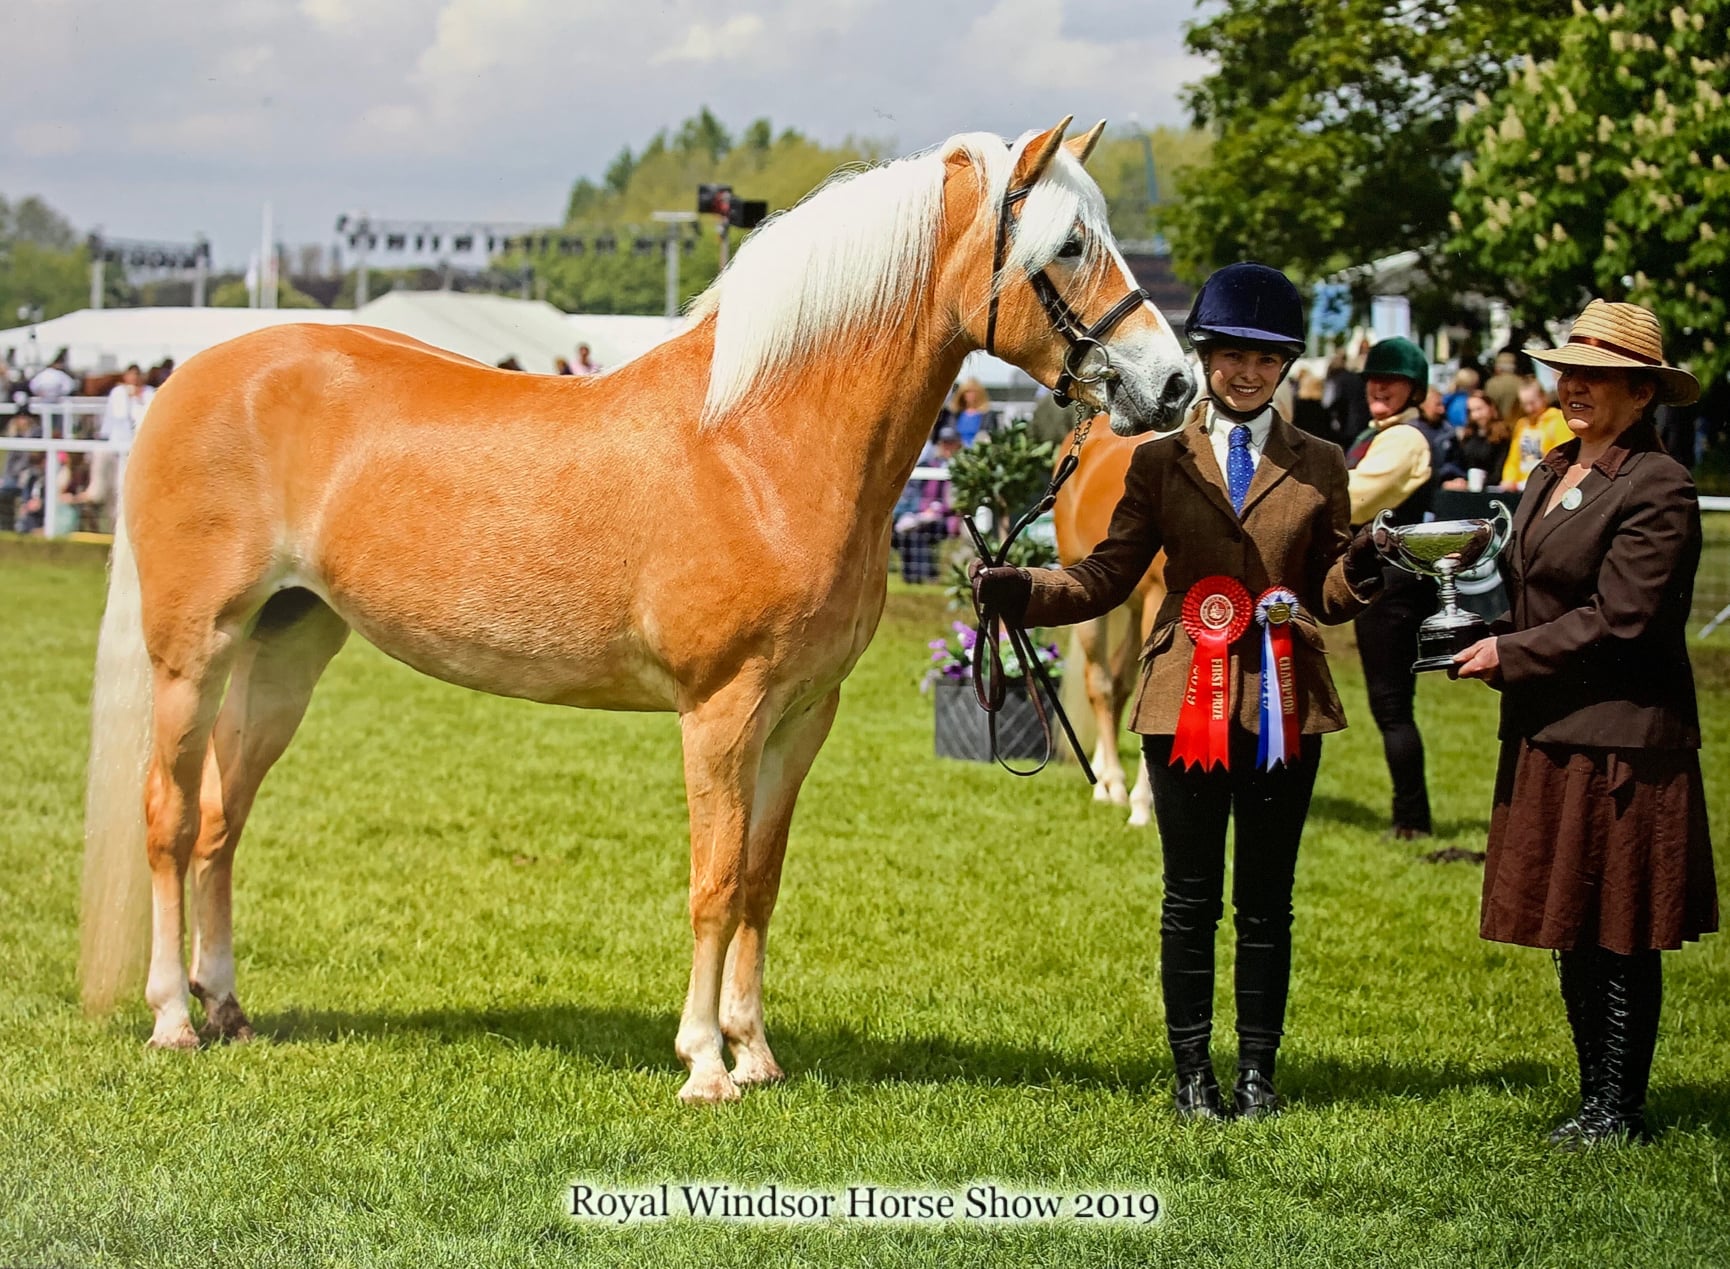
column 1216, row 612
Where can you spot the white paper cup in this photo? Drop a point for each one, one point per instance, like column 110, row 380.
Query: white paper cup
column 1475, row 477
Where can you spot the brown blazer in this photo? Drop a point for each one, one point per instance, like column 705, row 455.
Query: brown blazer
column 1293, row 533
column 1594, row 651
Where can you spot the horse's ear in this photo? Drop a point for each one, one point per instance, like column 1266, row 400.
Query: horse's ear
column 1081, row 147
column 1037, row 154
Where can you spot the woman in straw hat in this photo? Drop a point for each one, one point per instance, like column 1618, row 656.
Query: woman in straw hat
column 1598, row 845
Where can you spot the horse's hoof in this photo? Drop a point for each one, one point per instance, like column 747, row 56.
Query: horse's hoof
column 1101, row 793
column 1140, row 818
column 180, row 1037
column 709, row 1089
column 751, row 1070
column 226, row 1020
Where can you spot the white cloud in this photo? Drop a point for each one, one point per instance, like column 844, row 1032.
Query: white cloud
column 47, row 139
column 705, row 43
column 459, row 108
column 332, row 15
column 243, row 62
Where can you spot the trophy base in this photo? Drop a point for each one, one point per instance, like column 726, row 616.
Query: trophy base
column 1437, row 645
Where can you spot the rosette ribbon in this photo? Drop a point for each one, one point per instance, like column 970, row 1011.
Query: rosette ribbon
column 1278, row 737
column 1216, row 612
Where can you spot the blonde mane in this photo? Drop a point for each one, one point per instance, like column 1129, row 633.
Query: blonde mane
column 857, row 252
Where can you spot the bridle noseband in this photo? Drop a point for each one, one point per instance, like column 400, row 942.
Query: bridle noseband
column 1085, row 341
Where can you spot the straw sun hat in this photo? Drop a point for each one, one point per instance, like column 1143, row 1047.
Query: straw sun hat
column 1622, row 337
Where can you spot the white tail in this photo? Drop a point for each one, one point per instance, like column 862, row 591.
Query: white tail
column 116, row 917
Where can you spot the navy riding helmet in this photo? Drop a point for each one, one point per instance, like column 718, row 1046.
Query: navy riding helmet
column 1248, row 303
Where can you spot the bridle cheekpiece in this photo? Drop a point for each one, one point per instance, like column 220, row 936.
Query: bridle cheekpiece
column 1087, row 361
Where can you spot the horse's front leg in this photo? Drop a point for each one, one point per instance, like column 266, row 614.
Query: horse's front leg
column 723, row 740
column 787, row 758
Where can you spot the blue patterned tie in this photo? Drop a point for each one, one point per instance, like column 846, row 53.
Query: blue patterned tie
column 1239, row 466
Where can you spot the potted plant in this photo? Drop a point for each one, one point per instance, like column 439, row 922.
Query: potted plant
column 962, row 729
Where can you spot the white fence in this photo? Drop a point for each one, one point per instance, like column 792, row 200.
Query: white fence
column 59, row 425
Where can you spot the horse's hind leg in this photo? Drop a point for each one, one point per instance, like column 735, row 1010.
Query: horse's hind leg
column 724, row 737
column 271, row 683
column 187, row 692
column 787, row 758
column 1098, row 677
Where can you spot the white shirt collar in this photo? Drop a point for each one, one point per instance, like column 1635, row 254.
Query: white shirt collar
column 1218, row 425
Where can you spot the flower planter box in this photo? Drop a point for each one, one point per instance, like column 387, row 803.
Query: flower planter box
column 963, row 729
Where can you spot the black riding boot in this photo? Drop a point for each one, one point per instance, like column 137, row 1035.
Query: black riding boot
column 1197, row 1096
column 1577, row 972
column 1629, row 991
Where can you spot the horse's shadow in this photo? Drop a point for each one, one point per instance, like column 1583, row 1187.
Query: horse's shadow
column 641, row 1040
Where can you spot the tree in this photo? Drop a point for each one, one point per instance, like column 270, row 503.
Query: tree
column 1334, row 124
column 1120, row 166
column 779, row 169
column 1604, row 171
column 42, row 263
column 233, row 293
column 619, row 171
column 702, row 133
column 34, row 221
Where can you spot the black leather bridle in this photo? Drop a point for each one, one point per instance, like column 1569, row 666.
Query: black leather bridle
column 1084, row 341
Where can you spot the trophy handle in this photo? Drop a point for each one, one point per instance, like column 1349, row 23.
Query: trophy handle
column 1504, row 530
column 1380, row 535
column 1387, row 541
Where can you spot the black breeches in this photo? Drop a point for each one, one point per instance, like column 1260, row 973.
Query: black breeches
column 1192, row 808
column 1387, row 634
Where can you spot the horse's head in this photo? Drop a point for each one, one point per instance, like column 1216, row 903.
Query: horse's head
column 1042, row 284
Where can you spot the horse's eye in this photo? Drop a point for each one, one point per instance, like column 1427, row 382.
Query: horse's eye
column 1070, row 250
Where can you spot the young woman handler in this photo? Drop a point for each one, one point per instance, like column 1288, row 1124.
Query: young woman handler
column 1254, row 518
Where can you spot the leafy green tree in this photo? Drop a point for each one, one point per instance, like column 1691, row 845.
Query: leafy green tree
column 232, row 293
column 702, row 133
column 1603, row 171
column 780, row 169
column 619, row 171
column 1120, row 166
column 43, row 264
column 758, row 137
column 1333, row 124
column 33, row 221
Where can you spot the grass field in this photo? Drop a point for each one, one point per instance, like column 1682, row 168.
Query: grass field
column 462, row 936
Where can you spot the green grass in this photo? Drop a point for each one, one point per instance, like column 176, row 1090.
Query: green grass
column 462, row 935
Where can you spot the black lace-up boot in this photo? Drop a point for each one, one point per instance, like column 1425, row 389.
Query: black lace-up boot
column 1577, row 973
column 1630, row 991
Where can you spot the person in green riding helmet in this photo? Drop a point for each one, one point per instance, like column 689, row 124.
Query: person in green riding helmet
column 1390, row 468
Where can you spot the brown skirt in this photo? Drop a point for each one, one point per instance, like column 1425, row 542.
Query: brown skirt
column 1598, row 848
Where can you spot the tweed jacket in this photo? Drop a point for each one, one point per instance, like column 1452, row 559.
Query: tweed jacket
column 1293, row 532
column 1594, row 650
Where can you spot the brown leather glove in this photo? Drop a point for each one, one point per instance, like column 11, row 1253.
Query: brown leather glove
column 1004, row 591
column 1363, row 561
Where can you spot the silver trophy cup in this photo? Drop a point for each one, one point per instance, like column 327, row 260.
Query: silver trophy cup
column 1443, row 549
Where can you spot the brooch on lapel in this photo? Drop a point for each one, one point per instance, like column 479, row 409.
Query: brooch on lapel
column 1572, row 499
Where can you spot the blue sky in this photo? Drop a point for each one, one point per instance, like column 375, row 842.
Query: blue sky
column 162, row 118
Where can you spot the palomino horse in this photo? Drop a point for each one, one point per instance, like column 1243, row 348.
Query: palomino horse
column 711, row 537
column 1083, row 518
